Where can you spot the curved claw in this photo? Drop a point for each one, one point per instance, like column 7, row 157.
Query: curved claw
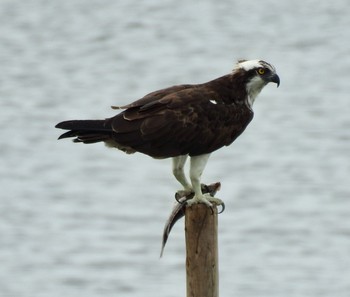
column 177, row 198
column 222, row 204
column 209, row 191
column 180, row 200
column 222, row 208
column 183, row 195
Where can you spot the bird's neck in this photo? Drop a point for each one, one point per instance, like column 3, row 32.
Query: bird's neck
column 253, row 90
column 230, row 91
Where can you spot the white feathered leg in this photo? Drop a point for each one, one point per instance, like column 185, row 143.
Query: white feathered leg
column 178, row 171
column 198, row 164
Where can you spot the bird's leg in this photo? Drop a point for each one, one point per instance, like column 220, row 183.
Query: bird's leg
column 178, row 171
column 197, row 166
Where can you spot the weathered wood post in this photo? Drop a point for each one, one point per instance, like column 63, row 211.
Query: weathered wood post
column 202, row 271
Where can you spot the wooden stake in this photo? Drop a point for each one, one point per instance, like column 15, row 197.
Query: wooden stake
column 202, row 273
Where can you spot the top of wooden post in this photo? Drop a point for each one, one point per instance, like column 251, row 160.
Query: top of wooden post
column 201, row 225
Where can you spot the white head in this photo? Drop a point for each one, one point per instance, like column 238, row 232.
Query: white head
column 257, row 74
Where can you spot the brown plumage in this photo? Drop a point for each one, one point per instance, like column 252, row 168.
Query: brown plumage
column 182, row 120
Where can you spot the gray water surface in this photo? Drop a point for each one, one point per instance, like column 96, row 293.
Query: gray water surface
column 78, row 220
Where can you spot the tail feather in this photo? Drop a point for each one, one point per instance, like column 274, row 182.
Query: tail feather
column 84, row 125
column 86, row 131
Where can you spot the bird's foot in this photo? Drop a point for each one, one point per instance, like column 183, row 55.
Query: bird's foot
column 188, row 197
column 206, row 199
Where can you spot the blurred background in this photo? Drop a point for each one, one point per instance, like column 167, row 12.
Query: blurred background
column 79, row 220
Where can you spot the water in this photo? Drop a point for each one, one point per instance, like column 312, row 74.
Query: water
column 86, row 221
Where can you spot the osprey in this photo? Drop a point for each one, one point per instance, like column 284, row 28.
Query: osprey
column 191, row 120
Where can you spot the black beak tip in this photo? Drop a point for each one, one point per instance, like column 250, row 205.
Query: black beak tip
column 276, row 79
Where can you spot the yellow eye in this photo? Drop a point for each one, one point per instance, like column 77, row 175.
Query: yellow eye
column 261, row 71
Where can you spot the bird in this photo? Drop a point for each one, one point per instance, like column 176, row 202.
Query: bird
column 188, row 121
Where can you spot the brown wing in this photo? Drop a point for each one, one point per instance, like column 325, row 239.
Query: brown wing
column 154, row 96
column 190, row 121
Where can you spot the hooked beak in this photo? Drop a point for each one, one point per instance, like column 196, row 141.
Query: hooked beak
column 275, row 78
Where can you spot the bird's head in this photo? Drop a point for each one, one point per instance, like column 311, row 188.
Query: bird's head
column 256, row 74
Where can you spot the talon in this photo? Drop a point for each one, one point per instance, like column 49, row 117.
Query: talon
column 199, row 199
column 216, row 201
column 178, row 197
column 182, row 195
column 222, row 208
column 205, row 199
column 181, row 200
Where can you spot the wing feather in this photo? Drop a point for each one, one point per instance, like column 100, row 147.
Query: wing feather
column 180, row 123
column 183, row 119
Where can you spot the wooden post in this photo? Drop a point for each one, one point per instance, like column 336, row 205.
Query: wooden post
column 202, row 273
